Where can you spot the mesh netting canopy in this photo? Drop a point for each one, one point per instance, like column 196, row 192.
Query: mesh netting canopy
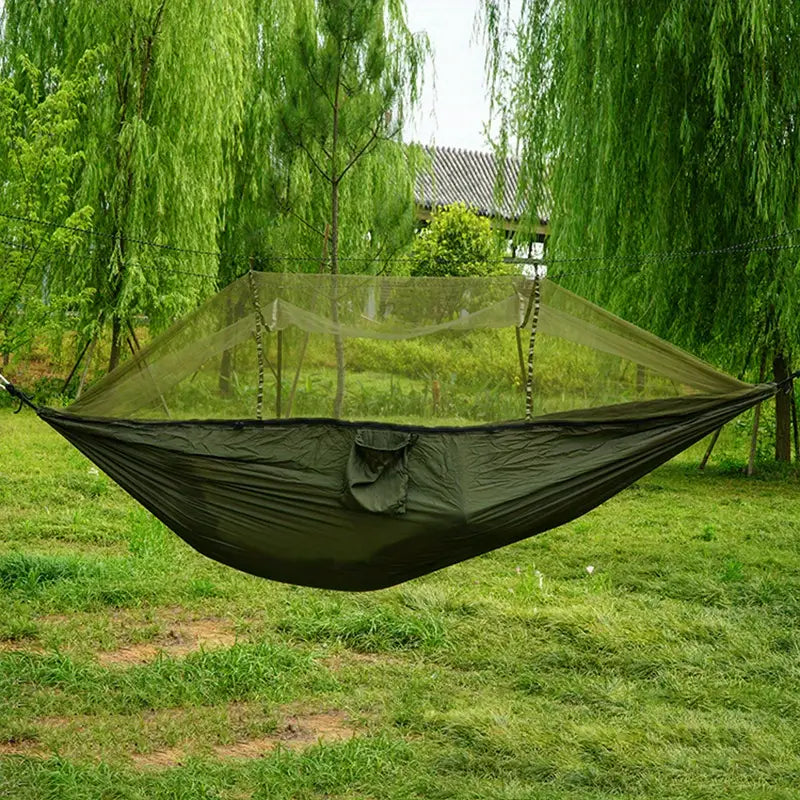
column 428, row 351
column 353, row 432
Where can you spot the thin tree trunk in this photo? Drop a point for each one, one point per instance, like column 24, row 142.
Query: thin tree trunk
column 794, row 426
column 75, row 366
column 751, row 461
column 224, row 382
column 338, row 400
column 279, row 376
column 135, row 347
column 641, row 379
column 710, row 449
column 116, row 343
column 226, row 362
column 521, row 357
column 307, row 335
column 85, row 374
column 783, row 412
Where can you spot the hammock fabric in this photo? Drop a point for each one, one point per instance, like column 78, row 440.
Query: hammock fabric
column 352, row 505
column 348, row 506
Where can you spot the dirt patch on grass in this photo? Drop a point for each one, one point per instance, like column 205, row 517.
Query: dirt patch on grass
column 160, row 759
column 21, row 747
column 352, row 658
column 20, row 646
column 57, row 619
column 297, row 733
column 179, row 640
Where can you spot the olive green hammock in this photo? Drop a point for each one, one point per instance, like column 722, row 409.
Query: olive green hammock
column 434, row 477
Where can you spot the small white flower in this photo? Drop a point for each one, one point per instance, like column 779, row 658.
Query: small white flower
column 590, row 569
column 519, row 571
column 93, row 471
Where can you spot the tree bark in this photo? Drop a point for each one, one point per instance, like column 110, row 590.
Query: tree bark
column 86, row 365
column 335, row 177
column 116, row 342
column 783, row 411
column 641, row 379
column 710, row 449
column 751, row 461
column 77, row 364
column 795, row 426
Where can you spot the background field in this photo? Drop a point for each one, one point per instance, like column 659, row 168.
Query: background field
column 132, row 667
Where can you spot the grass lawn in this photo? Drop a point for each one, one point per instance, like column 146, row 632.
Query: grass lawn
column 132, row 667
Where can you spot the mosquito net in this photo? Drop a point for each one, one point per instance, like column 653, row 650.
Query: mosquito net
column 426, row 351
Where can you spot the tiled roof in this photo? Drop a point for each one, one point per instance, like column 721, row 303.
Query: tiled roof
column 469, row 177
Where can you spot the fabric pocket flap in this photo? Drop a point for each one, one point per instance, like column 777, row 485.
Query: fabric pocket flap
column 377, row 470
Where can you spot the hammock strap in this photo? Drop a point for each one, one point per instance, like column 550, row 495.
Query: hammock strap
column 259, row 345
column 537, row 301
column 787, row 383
column 6, row 384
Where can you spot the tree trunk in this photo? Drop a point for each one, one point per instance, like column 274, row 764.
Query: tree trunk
column 337, row 403
column 75, row 367
column 751, row 461
column 86, row 365
column 116, row 342
column 783, row 412
column 225, row 367
column 641, row 379
column 710, row 449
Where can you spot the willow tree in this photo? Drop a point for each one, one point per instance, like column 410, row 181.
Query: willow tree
column 168, row 98
column 662, row 127
column 38, row 159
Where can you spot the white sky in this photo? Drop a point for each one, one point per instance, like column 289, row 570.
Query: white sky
column 455, row 106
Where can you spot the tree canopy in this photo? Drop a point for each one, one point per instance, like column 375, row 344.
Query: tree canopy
column 663, row 127
column 457, row 242
column 224, row 129
column 38, row 160
column 338, row 79
column 152, row 138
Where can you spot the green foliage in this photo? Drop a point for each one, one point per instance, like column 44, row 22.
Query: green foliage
column 457, row 242
column 38, row 158
column 152, row 162
column 665, row 126
column 327, row 103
